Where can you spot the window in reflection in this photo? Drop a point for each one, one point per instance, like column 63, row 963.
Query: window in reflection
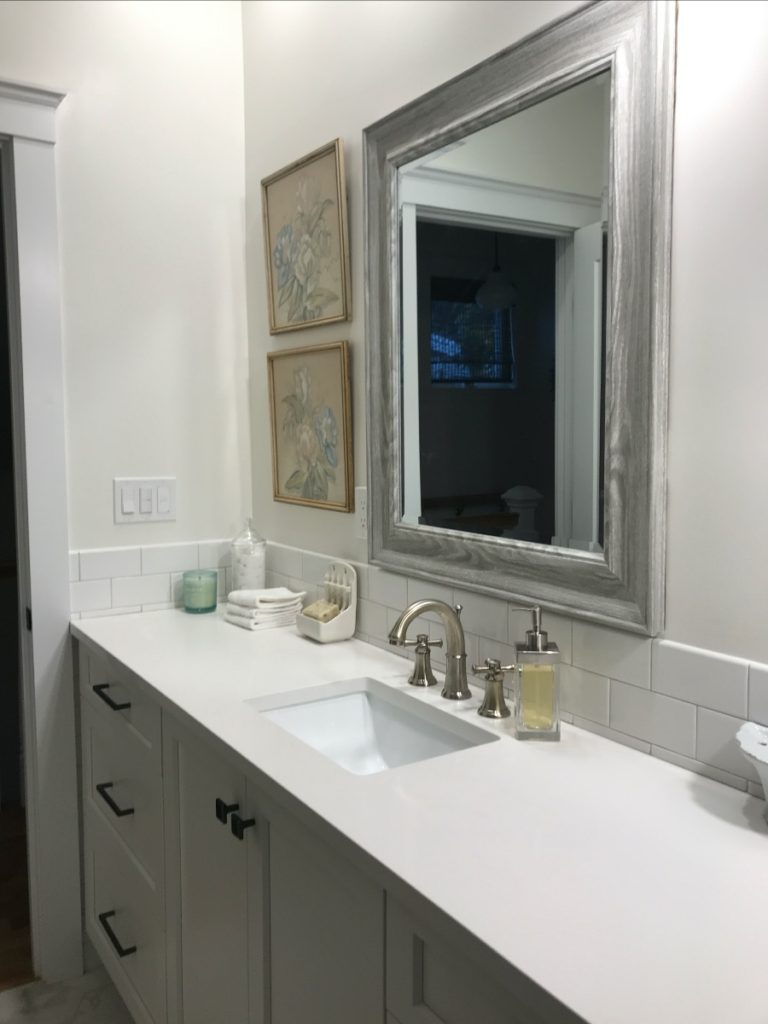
column 469, row 344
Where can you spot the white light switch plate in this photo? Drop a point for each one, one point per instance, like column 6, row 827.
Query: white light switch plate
column 151, row 499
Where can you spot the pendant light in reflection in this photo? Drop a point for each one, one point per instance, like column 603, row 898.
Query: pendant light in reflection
column 497, row 292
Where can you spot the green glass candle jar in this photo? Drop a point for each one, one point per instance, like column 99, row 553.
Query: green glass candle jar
column 200, row 587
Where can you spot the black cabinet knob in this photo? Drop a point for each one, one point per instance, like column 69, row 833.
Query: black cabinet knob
column 239, row 825
column 223, row 810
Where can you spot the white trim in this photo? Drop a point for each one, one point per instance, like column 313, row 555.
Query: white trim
column 486, row 196
column 411, row 497
column 28, row 113
column 29, row 204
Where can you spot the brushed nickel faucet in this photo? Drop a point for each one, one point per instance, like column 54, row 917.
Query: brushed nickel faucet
column 456, row 687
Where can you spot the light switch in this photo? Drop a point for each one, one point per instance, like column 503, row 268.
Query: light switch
column 146, row 499
column 127, row 503
column 163, row 500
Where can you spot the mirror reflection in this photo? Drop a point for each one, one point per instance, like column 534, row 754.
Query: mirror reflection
column 504, row 241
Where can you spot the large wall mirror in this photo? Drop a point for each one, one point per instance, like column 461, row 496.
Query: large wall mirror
column 517, row 236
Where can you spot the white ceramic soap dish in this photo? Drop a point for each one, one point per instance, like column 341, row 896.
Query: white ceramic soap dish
column 339, row 586
column 753, row 740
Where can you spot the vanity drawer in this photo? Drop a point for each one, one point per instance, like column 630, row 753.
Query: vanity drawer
column 106, row 687
column 123, row 788
column 124, row 920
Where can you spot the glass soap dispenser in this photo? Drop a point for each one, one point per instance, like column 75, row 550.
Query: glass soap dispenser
column 537, row 705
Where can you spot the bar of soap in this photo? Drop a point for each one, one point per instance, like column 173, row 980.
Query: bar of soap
column 322, row 610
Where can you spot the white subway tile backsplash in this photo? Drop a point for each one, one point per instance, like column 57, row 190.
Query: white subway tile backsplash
column 74, row 566
column 584, row 694
column 103, row 613
column 699, row 767
column 387, row 588
column 716, row 743
column 285, row 560
column 501, row 652
column 168, row 558
column 651, row 716
column 423, row 590
column 607, row 652
column 104, row 563
column 484, row 616
column 89, row 595
column 372, row 619
column 612, row 734
column 758, row 694
column 213, row 554
column 132, row 590
column 313, row 566
column 701, row 677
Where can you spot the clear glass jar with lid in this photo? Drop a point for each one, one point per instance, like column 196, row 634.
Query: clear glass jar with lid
column 249, row 559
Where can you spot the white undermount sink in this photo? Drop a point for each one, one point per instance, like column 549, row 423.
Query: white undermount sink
column 366, row 726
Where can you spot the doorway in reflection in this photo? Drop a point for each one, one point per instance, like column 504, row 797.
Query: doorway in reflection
column 486, row 361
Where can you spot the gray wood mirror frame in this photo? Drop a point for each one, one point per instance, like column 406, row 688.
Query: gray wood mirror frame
column 622, row 584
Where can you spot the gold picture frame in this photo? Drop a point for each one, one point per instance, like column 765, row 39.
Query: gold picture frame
column 311, row 417
column 306, row 242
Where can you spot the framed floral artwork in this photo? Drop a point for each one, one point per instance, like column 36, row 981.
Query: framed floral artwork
column 306, row 244
column 310, row 406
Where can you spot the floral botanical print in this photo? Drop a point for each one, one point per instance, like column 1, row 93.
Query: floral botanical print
column 306, row 246
column 312, row 428
column 303, row 255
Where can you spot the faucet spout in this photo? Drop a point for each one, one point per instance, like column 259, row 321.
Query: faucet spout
column 456, row 687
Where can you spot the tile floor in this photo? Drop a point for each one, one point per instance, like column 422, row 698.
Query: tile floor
column 91, row 999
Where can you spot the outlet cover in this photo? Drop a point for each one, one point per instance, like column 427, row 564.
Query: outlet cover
column 361, row 513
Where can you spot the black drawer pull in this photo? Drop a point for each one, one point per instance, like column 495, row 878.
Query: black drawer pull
column 100, row 689
column 119, row 949
column 223, row 810
column 120, row 812
column 239, row 825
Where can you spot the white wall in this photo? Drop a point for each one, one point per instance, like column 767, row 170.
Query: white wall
column 317, row 70
column 717, row 580
column 559, row 144
column 151, row 212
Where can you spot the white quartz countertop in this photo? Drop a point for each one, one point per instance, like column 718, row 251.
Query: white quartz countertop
column 633, row 891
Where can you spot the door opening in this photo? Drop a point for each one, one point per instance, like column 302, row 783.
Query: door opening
column 15, row 941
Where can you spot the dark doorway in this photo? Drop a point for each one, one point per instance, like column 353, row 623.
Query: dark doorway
column 15, row 945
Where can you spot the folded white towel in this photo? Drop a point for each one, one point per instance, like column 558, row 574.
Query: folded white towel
column 246, row 623
column 271, row 597
column 256, row 615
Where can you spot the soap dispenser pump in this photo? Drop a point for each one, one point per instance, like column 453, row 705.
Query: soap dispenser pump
column 537, row 710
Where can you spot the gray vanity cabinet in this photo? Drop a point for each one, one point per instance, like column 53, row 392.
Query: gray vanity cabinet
column 212, row 901
column 216, row 906
column 265, row 922
column 433, row 978
column 326, row 932
column 122, row 804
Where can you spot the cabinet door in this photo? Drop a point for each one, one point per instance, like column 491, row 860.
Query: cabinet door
column 209, row 901
column 430, row 980
column 326, row 933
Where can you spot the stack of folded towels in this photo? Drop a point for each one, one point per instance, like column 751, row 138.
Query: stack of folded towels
column 263, row 609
